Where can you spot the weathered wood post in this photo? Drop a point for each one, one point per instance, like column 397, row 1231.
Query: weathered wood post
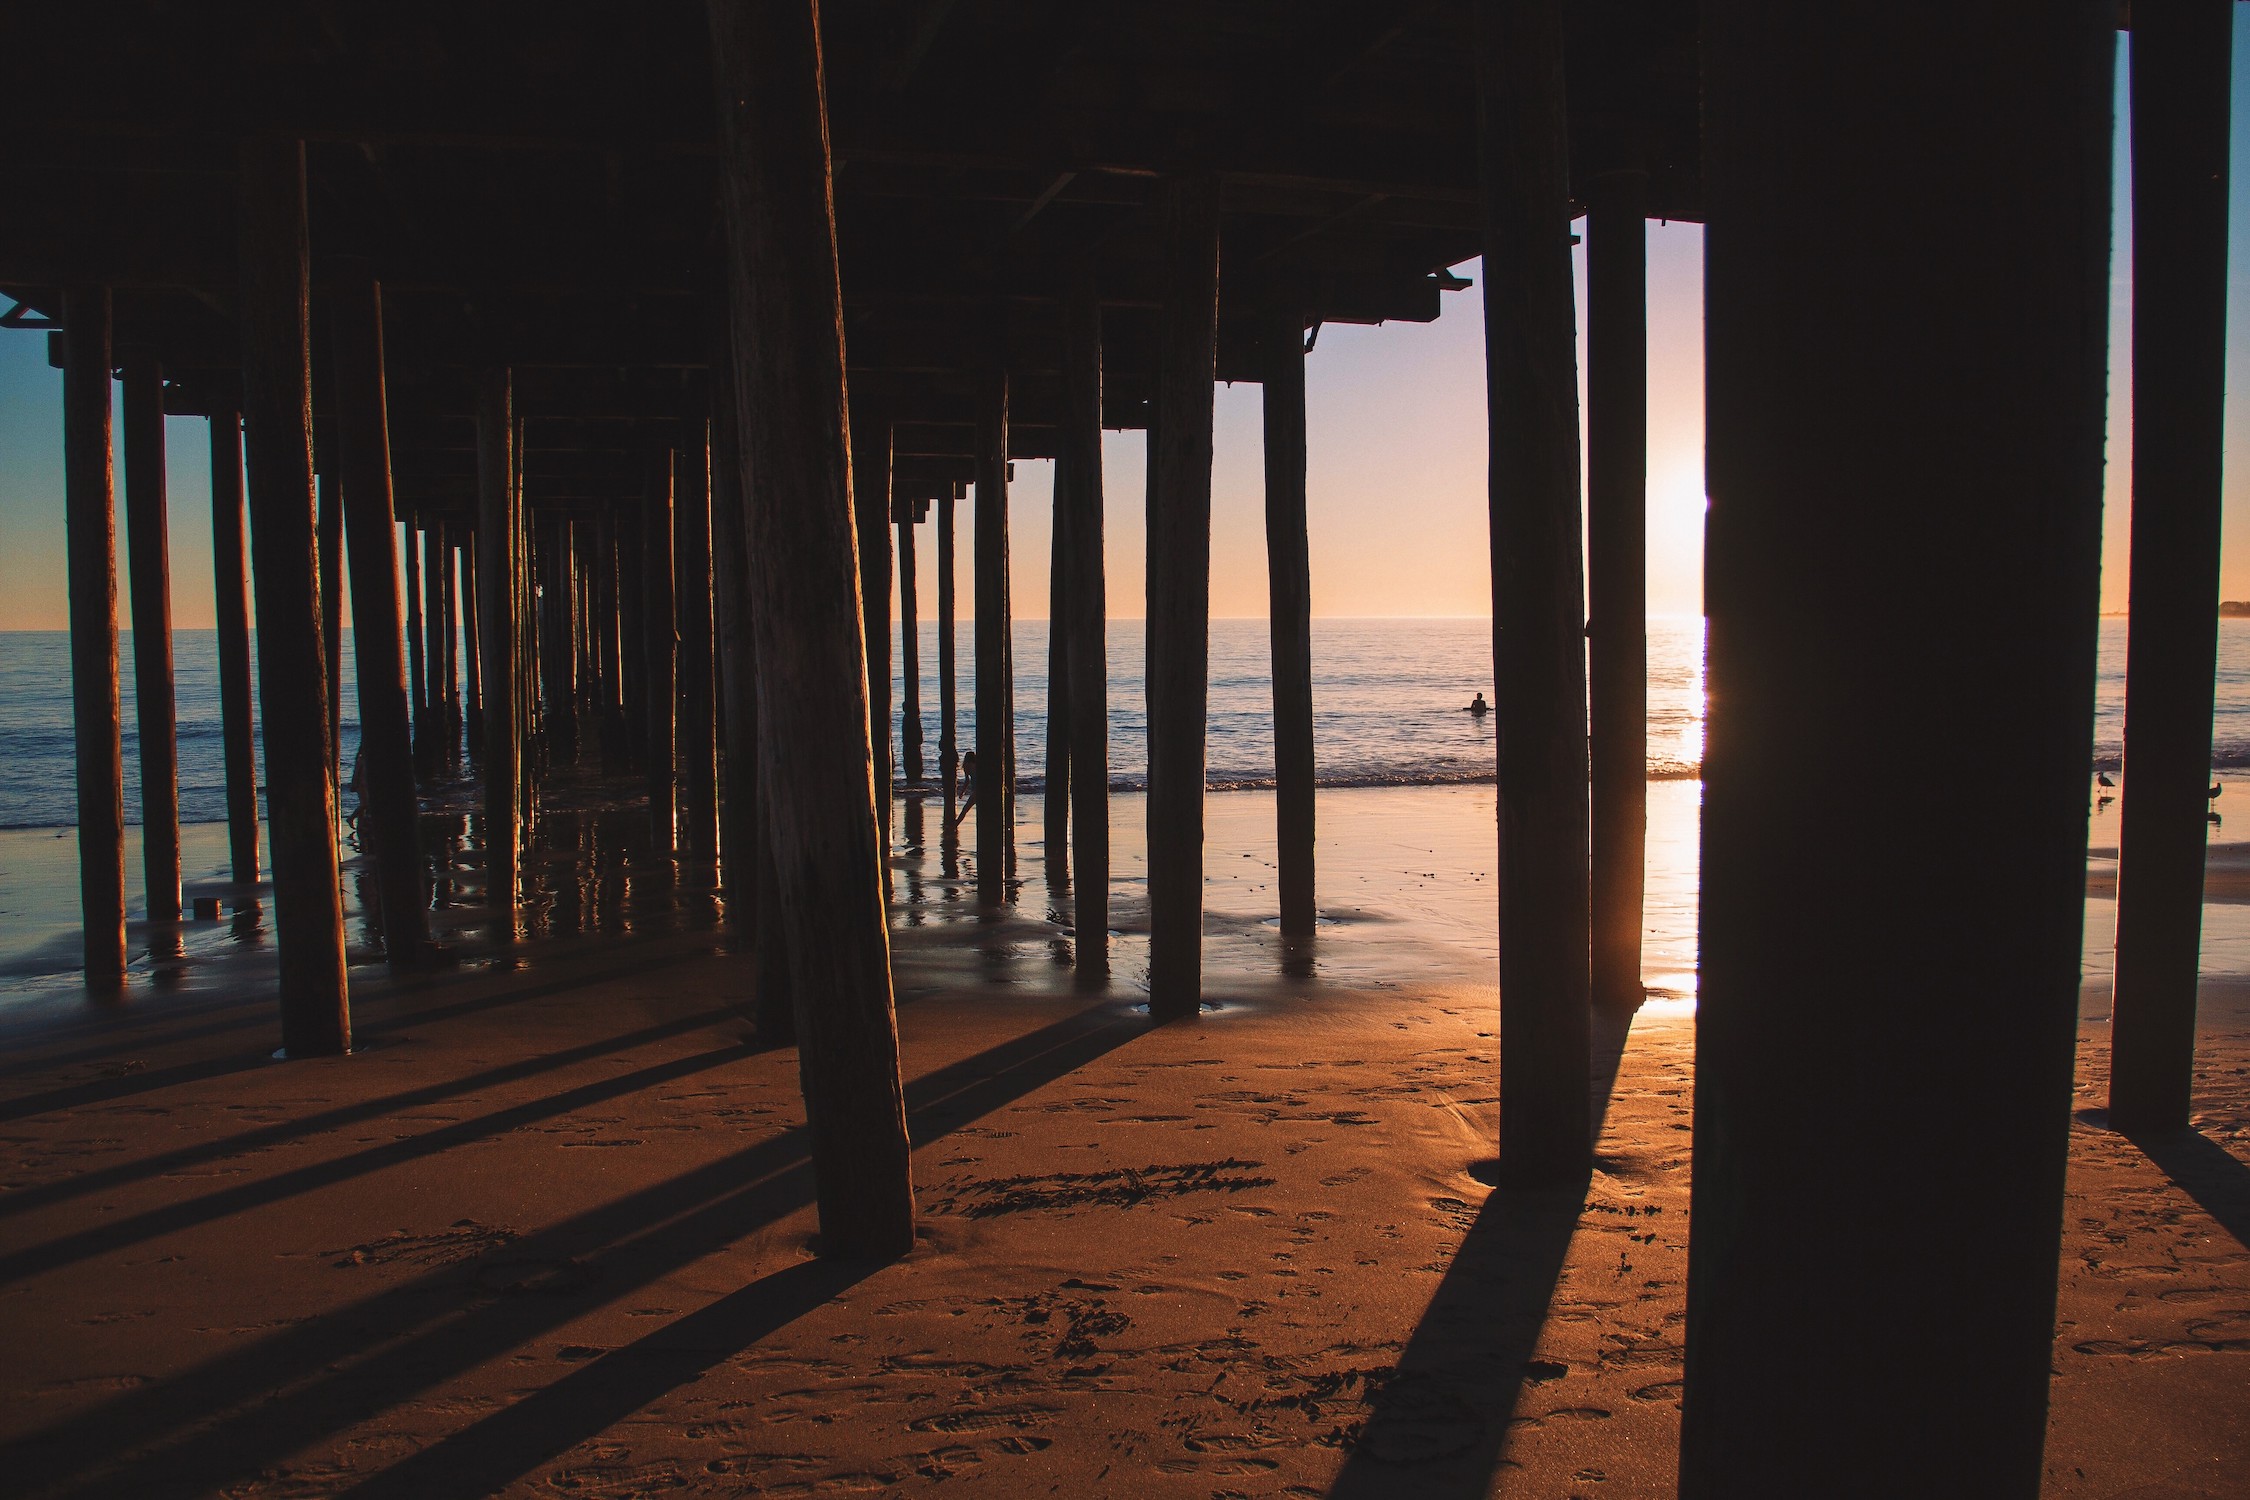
column 699, row 749
column 230, row 580
column 1905, row 472
column 149, row 557
column 1289, row 606
column 789, row 366
column 498, row 593
column 1617, row 578
column 293, row 683
column 389, row 816
column 994, row 790
column 90, row 513
column 1179, row 598
column 661, row 638
column 1055, row 799
column 871, row 514
column 1078, row 490
column 949, row 747
column 472, row 660
column 1539, row 615
column 2181, row 58
column 909, row 647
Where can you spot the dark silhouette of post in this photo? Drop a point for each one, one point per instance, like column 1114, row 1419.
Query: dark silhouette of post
column 738, row 708
column 499, row 591
column 1055, row 799
column 293, row 685
column 417, row 675
column 632, row 641
column 1078, row 491
column 390, row 822
column 699, row 750
column 2181, row 61
column 558, row 655
column 608, row 642
column 438, row 718
column 1538, row 609
column 149, row 557
column 994, row 791
column 871, row 513
column 1617, row 577
column 230, row 580
column 1905, row 417
column 949, row 748
column 661, row 638
column 1289, row 608
column 472, row 660
column 331, row 550
column 1179, row 597
column 449, row 631
column 787, row 310
column 90, row 513
column 910, row 651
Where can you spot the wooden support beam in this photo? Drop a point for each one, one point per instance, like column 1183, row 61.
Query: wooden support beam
column 390, row 819
column 1289, row 608
column 230, row 580
column 147, row 530
column 472, row 661
column 787, row 311
column 417, row 671
column 993, row 791
column 660, row 637
column 1617, row 579
column 449, row 631
column 499, row 597
column 90, row 514
column 699, row 748
column 2181, row 61
column 1179, row 598
column 558, row 656
column 949, row 746
column 871, row 515
column 437, row 720
column 1538, row 603
column 1904, row 550
column 292, row 671
column 330, row 545
column 910, row 654
column 1078, row 488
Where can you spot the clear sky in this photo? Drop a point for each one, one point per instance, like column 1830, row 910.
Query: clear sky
column 1396, row 461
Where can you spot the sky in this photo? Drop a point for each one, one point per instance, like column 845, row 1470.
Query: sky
column 1396, row 459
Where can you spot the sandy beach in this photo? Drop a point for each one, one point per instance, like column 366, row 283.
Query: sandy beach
column 547, row 1233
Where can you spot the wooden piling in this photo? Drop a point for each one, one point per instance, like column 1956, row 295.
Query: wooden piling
column 449, row 631
column 558, row 655
column 498, row 592
column 1289, row 607
column 1617, row 579
column 90, row 515
column 994, row 790
column 472, row 663
column 910, row 651
column 292, row 672
column 390, row 821
column 330, row 522
column 1907, row 316
column 949, row 747
column 699, row 748
column 439, row 713
column 1538, row 601
column 230, row 579
column 147, row 530
column 660, row 637
column 787, row 311
column 1179, row 597
column 2181, row 58
column 417, row 674
column 871, row 515
column 1078, row 489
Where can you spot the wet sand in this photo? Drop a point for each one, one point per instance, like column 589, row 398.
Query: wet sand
column 547, row 1234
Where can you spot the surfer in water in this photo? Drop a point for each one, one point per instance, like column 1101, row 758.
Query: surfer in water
column 1478, row 708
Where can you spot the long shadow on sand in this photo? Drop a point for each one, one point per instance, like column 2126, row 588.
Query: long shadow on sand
column 2207, row 1172
column 237, row 1414
column 1439, row 1421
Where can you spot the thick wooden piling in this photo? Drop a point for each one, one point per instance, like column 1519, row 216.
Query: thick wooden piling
column 949, row 746
column 2181, row 59
column 1179, row 598
column 292, row 672
column 90, row 514
column 1289, row 608
column 787, row 313
column 147, row 531
column 499, row 590
column 871, row 515
column 661, row 639
column 1539, row 616
column 910, row 651
column 699, row 748
column 1907, row 314
column 994, row 789
column 737, row 683
column 1078, row 490
column 230, row 581
column 390, row 822
column 1617, row 579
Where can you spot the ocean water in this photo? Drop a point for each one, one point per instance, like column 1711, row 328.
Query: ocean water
column 1387, row 696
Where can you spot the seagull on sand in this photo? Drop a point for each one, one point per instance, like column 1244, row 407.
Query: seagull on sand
column 2101, row 779
column 2213, row 794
